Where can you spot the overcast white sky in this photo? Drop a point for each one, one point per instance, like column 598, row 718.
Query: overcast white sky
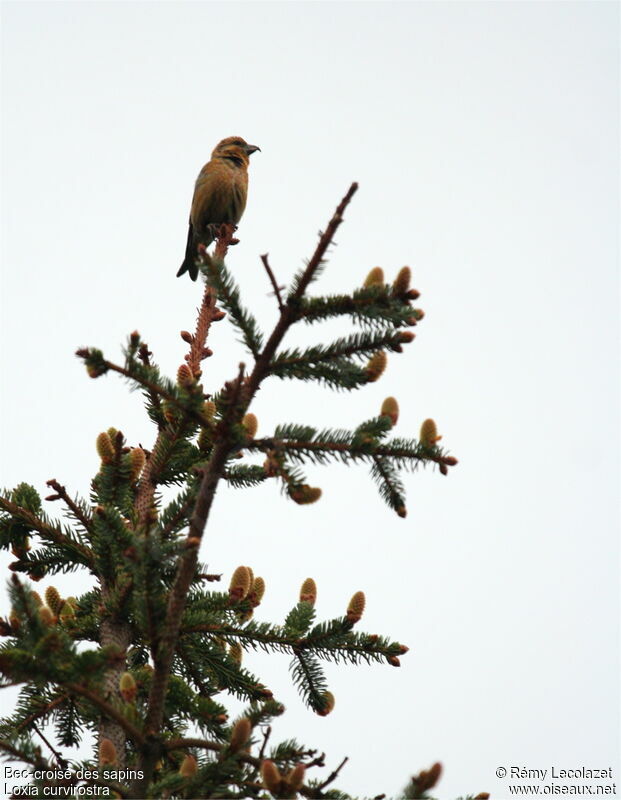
column 484, row 137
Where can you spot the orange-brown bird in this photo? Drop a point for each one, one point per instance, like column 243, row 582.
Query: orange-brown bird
column 220, row 196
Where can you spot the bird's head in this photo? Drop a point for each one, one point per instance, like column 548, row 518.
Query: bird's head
column 235, row 149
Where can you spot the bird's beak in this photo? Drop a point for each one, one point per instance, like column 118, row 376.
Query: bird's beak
column 252, row 148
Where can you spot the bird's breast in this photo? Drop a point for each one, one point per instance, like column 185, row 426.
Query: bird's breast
column 220, row 194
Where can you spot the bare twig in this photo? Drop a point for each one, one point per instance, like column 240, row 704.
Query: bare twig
column 333, row 775
column 324, row 242
column 318, row 761
column 266, row 735
column 276, row 287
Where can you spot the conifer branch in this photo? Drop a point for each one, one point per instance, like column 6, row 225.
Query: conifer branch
column 288, row 313
column 108, row 710
column 337, row 449
column 62, row 762
column 181, row 513
column 22, row 755
column 358, row 345
column 325, row 240
column 75, row 509
column 49, row 532
column 215, row 747
column 212, row 474
column 144, row 354
column 245, row 475
column 205, row 744
column 185, row 574
column 266, row 735
column 375, row 306
column 206, row 315
column 42, row 713
column 39, row 763
column 192, row 672
column 151, row 594
column 194, row 415
column 229, row 295
column 391, row 488
column 325, row 640
column 309, row 679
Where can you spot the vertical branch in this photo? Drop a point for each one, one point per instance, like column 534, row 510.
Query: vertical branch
column 287, row 314
column 179, row 592
column 324, row 242
column 163, row 656
column 187, row 565
column 207, row 314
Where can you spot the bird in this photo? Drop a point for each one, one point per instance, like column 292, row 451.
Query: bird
column 220, row 194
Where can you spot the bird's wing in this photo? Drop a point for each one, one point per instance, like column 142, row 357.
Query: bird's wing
column 209, row 191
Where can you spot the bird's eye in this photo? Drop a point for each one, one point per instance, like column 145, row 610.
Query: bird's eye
column 238, row 142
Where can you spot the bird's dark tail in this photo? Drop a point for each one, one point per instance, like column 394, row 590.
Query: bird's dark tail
column 189, row 262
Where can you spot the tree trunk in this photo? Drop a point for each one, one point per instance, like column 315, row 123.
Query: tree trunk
column 116, row 634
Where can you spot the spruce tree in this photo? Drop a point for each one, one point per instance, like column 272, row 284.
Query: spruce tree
column 146, row 659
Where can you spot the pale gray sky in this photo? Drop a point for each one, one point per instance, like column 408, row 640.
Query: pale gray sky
column 484, row 137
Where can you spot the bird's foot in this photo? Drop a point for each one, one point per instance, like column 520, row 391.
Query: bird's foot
column 225, row 238
column 225, row 232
